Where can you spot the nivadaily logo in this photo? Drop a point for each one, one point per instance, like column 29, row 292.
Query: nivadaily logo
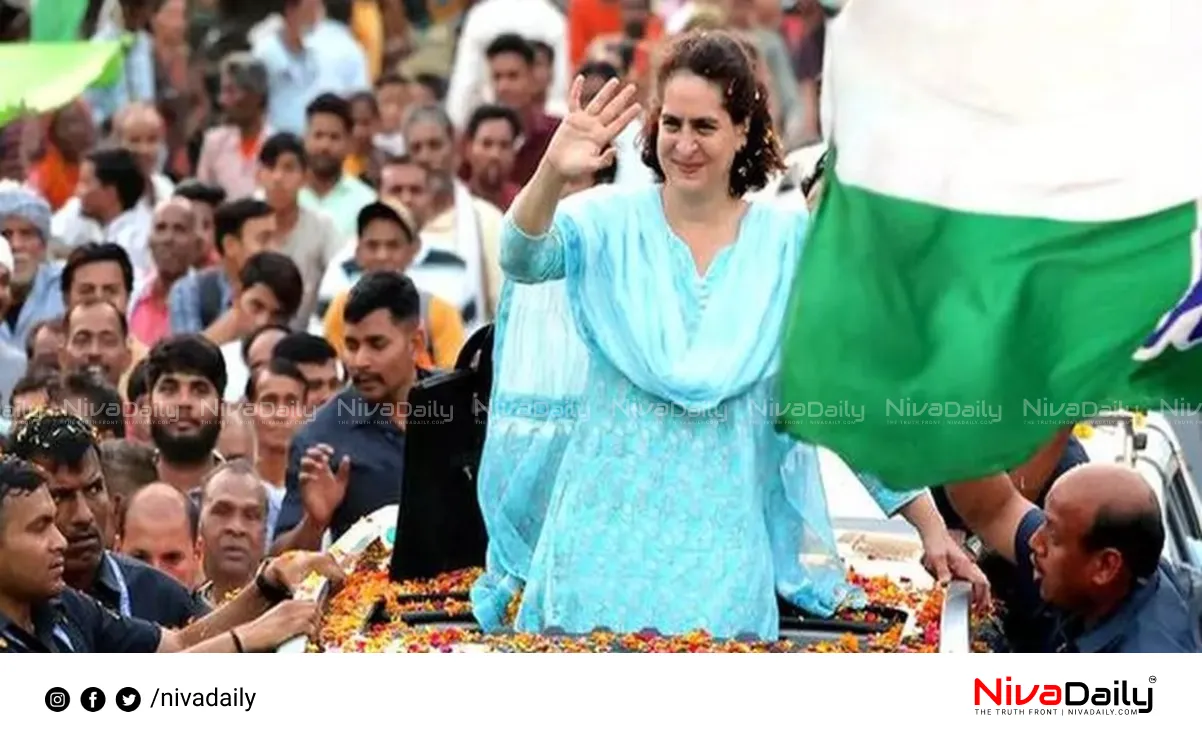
column 1068, row 698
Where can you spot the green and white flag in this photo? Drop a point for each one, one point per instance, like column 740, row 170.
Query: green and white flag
column 57, row 20
column 1008, row 238
column 40, row 77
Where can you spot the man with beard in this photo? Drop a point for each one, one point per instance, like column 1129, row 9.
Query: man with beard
column 468, row 225
column 233, row 529
column 511, row 65
column 97, row 342
column 186, row 374
column 348, row 461
column 39, row 613
column 34, row 286
column 327, row 143
column 175, row 247
column 492, row 135
column 317, row 361
column 64, row 446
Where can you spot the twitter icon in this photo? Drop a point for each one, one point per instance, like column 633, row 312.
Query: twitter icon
column 128, row 699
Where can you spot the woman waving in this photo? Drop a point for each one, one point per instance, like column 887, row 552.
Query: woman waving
column 632, row 475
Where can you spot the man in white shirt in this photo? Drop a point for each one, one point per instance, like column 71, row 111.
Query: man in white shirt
column 270, row 292
column 140, row 129
column 307, row 55
column 537, row 20
column 111, row 187
column 467, row 225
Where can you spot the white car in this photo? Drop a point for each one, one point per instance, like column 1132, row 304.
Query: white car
column 1164, row 450
column 1152, row 445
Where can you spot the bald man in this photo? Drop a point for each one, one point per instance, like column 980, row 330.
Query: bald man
column 175, row 246
column 139, row 128
column 159, row 527
column 1089, row 562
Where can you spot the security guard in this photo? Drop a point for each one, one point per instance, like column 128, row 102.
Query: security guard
column 66, row 448
column 38, row 613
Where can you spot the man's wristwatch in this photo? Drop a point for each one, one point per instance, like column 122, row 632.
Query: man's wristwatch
column 270, row 591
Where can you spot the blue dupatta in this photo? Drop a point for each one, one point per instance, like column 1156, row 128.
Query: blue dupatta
column 615, row 299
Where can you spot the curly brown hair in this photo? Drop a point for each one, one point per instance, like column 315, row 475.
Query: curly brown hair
column 728, row 62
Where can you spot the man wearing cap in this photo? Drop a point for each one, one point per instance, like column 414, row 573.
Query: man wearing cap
column 229, row 157
column 388, row 241
column 12, row 360
column 35, row 282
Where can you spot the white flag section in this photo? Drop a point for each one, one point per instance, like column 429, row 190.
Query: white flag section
column 1026, row 92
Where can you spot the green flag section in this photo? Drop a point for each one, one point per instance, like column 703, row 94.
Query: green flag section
column 1008, row 238
column 56, row 20
column 40, row 77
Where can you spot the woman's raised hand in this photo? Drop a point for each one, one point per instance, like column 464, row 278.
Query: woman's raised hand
column 581, row 144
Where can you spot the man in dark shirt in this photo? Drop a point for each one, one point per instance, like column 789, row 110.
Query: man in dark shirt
column 1070, row 454
column 1025, row 630
column 511, row 66
column 348, row 461
column 67, row 450
column 39, row 613
column 1091, row 560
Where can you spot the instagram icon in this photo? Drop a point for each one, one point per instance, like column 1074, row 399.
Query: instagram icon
column 57, row 699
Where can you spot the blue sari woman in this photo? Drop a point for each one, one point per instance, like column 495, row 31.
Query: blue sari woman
column 632, row 476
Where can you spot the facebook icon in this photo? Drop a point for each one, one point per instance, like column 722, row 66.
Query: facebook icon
column 92, row 699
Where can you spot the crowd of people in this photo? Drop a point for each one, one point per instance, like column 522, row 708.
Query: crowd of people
column 220, row 277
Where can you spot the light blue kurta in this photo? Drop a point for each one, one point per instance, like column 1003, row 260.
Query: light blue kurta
column 632, row 476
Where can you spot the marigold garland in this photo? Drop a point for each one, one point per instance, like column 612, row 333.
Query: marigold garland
column 347, row 625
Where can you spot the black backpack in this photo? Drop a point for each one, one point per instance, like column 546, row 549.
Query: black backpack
column 439, row 524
